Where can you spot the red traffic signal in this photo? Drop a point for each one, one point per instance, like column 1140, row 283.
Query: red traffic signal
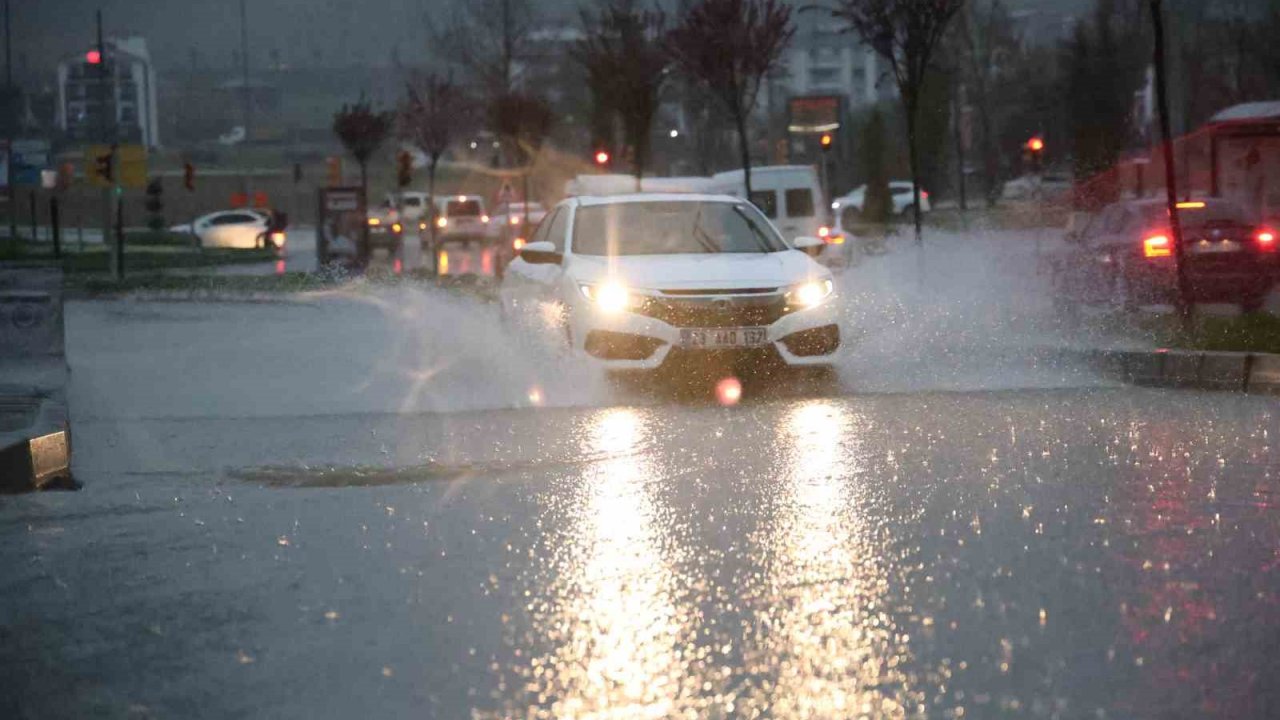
column 602, row 158
column 93, row 57
column 1036, row 144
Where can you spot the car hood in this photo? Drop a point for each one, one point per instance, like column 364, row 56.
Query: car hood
column 727, row 271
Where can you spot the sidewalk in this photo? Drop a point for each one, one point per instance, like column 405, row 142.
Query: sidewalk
column 35, row 450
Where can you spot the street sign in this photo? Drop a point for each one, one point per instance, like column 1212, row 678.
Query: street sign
column 814, row 114
column 127, row 165
column 342, row 200
column 30, row 157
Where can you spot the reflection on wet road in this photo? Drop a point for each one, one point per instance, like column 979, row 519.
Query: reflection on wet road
column 1072, row 553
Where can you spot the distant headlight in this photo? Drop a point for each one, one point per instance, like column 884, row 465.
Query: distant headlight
column 610, row 297
column 811, row 293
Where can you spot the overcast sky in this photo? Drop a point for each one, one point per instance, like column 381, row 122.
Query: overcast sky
column 317, row 32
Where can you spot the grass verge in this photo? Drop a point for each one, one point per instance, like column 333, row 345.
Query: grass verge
column 1254, row 332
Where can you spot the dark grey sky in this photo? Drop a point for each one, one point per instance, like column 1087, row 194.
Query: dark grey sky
column 313, row 32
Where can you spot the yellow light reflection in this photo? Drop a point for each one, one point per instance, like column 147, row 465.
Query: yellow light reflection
column 830, row 644
column 619, row 637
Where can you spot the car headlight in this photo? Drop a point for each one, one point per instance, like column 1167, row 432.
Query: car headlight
column 610, row 297
column 811, row 293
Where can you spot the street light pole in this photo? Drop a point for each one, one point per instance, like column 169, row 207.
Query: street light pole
column 244, row 79
column 9, row 121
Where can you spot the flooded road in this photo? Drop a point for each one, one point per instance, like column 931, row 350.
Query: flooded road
column 1044, row 553
column 376, row 503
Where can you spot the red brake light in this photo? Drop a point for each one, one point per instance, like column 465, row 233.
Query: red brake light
column 1267, row 240
column 1157, row 246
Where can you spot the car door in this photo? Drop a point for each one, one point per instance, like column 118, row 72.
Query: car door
column 799, row 213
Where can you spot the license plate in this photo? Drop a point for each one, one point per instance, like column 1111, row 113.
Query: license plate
column 716, row 338
column 1208, row 248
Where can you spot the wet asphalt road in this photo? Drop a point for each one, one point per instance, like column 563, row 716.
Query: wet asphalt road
column 893, row 555
column 1024, row 549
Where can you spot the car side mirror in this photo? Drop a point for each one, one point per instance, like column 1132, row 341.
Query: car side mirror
column 809, row 245
column 541, row 253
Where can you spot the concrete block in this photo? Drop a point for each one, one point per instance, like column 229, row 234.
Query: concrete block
column 1181, row 368
column 1144, row 367
column 1223, row 371
column 31, row 313
column 1264, row 374
column 37, row 463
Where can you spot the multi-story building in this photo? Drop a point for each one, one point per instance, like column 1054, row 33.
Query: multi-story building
column 129, row 114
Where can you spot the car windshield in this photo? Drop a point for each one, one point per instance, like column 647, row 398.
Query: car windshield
column 462, row 208
column 672, row 228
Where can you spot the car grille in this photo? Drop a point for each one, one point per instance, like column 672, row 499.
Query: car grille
column 716, row 311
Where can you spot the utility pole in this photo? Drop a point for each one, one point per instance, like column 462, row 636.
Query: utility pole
column 1170, row 173
column 107, row 126
column 244, row 78
column 9, row 121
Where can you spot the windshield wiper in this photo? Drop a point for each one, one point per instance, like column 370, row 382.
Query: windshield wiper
column 765, row 246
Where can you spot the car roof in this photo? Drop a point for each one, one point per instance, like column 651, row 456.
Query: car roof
column 593, row 200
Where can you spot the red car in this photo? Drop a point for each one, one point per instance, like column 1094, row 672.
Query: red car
column 1125, row 255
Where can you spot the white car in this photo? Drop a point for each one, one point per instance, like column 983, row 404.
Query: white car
column 899, row 191
column 242, row 229
column 639, row 278
column 412, row 205
column 461, row 217
column 512, row 217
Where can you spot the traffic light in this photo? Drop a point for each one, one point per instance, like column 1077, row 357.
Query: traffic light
column 93, row 57
column 335, row 170
column 1035, row 153
column 602, row 158
column 189, row 176
column 404, row 169
column 104, row 165
column 826, row 141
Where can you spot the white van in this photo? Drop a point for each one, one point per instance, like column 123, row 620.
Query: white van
column 789, row 195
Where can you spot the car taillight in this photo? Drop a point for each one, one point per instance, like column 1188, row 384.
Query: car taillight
column 517, row 244
column 1157, row 246
column 1266, row 240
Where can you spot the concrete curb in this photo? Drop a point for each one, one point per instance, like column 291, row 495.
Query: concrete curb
column 1257, row 373
column 35, row 444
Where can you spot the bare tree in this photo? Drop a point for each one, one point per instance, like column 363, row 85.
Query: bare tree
column 905, row 33
column 362, row 130
column 729, row 46
column 522, row 122
column 625, row 58
column 435, row 112
column 487, row 39
column 986, row 42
